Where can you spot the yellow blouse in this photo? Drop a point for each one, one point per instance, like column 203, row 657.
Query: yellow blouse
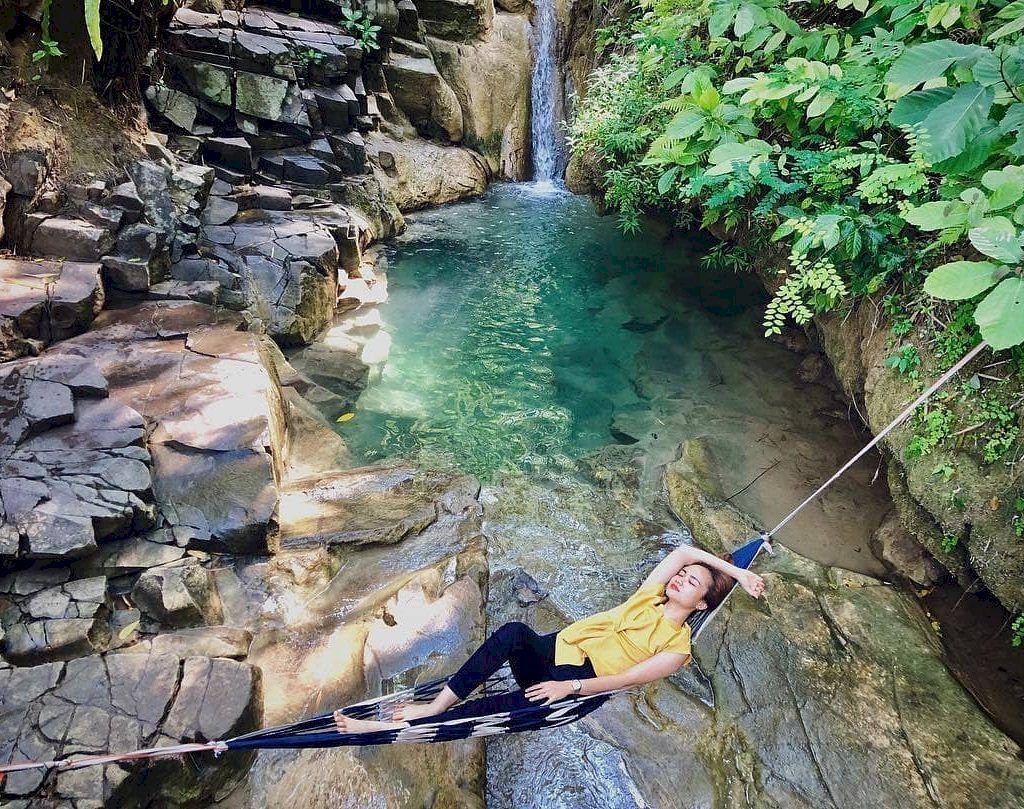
column 619, row 638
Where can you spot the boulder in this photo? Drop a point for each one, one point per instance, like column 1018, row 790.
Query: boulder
column 491, row 80
column 423, row 95
column 427, row 174
column 49, row 300
column 177, row 596
column 26, row 173
column 458, row 20
column 128, row 274
column 70, row 239
column 235, row 153
column 291, row 266
column 268, row 98
column 177, row 107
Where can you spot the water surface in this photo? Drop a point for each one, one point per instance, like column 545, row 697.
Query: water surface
column 528, row 336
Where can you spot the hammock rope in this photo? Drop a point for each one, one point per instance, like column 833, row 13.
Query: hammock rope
column 477, row 717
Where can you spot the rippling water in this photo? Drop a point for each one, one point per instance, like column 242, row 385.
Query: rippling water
column 516, row 321
column 527, row 333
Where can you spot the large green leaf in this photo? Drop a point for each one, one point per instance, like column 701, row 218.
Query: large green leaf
column 684, row 125
column 930, row 60
column 975, row 153
column 952, row 124
column 92, row 25
column 1006, row 185
column 914, row 108
column 1013, row 119
column 996, row 237
column 938, row 215
column 1001, row 315
column 722, row 157
column 960, row 280
column 821, row 104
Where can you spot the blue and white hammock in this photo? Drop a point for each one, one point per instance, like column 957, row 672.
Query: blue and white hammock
column 500, row 706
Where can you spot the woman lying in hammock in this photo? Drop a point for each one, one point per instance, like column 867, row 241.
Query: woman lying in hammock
column 642, row 640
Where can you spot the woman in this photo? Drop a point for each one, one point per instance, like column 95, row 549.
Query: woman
column 642, row 640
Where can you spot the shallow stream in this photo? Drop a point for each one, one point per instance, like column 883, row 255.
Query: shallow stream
column 535, row 346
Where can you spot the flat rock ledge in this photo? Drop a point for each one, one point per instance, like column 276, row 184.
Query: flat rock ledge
column 121, row 702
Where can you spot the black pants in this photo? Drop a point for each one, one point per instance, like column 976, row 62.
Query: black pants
column 531, row 658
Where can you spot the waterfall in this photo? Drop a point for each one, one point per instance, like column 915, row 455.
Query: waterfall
column 546, row 97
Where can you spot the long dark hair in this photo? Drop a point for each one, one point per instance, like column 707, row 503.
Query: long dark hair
column 721, row 584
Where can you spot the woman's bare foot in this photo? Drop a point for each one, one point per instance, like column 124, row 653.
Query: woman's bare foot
column 346, row 724
column 410, row 711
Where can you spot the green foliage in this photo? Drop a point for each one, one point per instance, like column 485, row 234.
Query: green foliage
column 945, row 471
column 309, row 56
column 949, row 542
column 879, row 139
column 1018, row 631
column 906, row 361
column 360, row 25
column 930, row 428
column 1017, row 520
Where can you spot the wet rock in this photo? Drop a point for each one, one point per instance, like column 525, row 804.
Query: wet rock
column 71, row 239
column 178, row 596
column 900, row 550
column 382, row 504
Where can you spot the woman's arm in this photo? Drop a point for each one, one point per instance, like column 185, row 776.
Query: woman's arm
column 686, row 555
column 654, row 668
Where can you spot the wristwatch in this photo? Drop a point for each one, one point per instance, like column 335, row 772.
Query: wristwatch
column 577, row 686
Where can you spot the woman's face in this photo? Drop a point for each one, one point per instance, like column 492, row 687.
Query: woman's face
column 688, row 587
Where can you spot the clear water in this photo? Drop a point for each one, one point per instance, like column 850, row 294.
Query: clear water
column 511, row 345
column 531, row 340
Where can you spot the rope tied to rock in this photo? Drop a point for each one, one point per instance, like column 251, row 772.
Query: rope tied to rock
column 896, row 422
column 76, row 762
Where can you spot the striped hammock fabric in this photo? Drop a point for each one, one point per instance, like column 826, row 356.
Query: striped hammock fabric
column 500, row 706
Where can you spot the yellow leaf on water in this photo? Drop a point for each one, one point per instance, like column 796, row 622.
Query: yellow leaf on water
column 346, row 417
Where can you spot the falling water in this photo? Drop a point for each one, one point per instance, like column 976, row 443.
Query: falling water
column 546, row 97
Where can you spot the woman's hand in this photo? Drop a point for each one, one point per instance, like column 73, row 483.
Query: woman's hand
column 751, row 582
column 549, row 691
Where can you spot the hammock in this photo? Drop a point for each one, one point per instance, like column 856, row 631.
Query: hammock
column 500, row 707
